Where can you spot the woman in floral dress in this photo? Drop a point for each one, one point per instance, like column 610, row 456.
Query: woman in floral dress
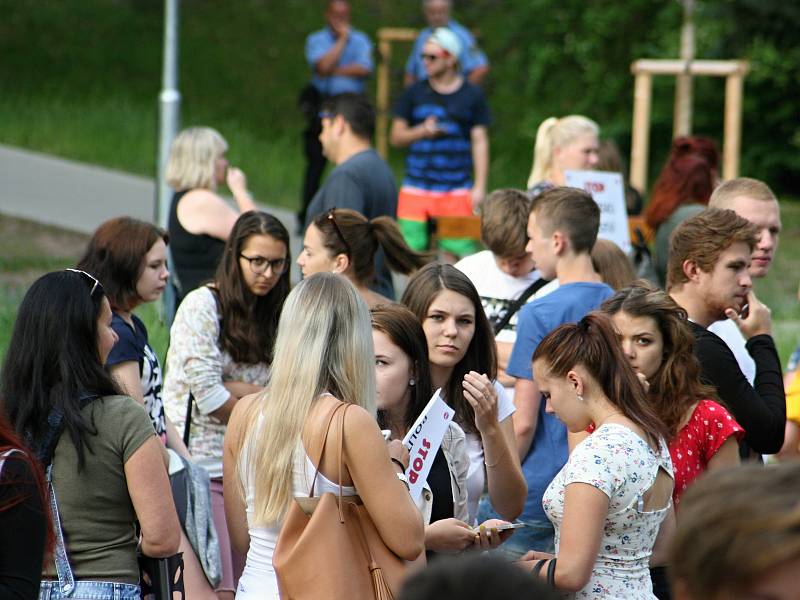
column 608, row 502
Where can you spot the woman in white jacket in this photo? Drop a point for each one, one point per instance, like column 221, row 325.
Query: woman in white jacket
column 404, row 387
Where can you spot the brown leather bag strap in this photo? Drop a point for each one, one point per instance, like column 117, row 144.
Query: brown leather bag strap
column 322, row 448
column 351, row 505
column 341, row 449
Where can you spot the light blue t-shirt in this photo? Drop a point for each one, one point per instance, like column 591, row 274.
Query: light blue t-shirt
column 470, row 59
column 548, row 451
column 357, row 50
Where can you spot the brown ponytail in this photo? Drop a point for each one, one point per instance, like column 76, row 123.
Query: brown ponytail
column 346, row 231
column 399, row 256
column 593, row 343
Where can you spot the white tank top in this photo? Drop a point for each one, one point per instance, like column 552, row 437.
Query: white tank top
column 258, row 578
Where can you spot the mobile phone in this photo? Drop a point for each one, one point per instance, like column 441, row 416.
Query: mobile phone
column 508, row 526
column 504, row 527
column 745, row 311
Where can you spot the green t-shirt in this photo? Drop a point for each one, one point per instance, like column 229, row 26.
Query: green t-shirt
column 97, row 515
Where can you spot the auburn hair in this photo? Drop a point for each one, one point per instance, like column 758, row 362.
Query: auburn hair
column 593, row 344
column 687, row 177
column 115, row 255
column 676, row 385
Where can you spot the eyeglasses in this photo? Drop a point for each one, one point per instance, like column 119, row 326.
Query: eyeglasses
column 325, row 115
column 332, row 219
column 95, row 283
column 259, row 264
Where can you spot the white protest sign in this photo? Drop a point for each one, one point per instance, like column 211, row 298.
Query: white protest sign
column 423, row 441
column 608, row 190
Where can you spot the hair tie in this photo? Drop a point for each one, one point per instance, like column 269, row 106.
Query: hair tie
column 584, row 324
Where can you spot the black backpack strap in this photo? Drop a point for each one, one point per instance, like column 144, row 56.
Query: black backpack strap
column 187, row 424
column 518, row 303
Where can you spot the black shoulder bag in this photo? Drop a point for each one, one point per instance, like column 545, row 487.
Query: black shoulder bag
column 499, row 323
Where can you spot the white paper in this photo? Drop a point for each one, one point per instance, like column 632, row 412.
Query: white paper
column 423, row 441
column 608, row 190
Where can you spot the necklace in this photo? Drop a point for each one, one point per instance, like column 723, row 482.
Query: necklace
column 606, row 418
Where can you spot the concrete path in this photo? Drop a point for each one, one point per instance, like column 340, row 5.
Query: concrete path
column 80, row 196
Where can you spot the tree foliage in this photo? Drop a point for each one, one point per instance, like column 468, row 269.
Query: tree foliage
column 549, row 57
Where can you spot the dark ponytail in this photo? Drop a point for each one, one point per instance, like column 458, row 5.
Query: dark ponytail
column 346, row 231
column 593, row 343
column 399, row 256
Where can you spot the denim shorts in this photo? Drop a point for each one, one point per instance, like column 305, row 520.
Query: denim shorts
column 91, row 590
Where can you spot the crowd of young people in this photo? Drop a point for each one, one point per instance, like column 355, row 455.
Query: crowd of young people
column 586, row 405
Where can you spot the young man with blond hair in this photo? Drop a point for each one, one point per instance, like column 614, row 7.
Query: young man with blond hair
column 708, row 275
column 752, row 200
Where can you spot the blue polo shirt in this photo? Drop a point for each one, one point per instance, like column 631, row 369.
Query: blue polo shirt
column 358, row 50
column 471, row 56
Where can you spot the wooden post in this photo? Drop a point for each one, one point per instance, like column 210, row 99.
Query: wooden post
column 385, row 50
column 644, row 69
column 387, row 35
column 640, row 143
column 733, row 126
column 682, row 118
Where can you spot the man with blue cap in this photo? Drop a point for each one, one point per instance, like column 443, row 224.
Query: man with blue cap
column 443, row 120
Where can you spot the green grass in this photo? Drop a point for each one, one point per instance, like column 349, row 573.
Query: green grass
column 120, row 133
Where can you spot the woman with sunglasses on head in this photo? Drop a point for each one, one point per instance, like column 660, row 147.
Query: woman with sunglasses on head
column 221, row 350
column 130, row 258
column 286, row 441
column 608, row 502
column 404, row 387
column 343, row 241
column 106, row 464
column 463, row 362
column 199, row 220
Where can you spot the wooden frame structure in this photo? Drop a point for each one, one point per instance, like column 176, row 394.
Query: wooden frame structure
column 387, row 36
column 733, row 71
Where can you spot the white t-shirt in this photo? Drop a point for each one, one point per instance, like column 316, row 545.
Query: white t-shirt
column 476, row 475
column 497, row 289
column 733, row 338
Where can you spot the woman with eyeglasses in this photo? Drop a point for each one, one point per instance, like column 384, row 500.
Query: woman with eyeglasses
column 343, row 241
column 98, row 445
column 130, row 258
column 221, row 350
column 199, row 220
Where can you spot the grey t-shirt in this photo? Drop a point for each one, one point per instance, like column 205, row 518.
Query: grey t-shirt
column 365, row 183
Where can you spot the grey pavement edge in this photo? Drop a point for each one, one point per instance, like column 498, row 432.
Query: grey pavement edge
column 80, row 196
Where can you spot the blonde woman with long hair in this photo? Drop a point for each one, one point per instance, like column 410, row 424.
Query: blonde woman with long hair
column 323, row 356
column 568, row 143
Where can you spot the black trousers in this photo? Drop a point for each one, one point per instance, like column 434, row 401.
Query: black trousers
column 315, row 165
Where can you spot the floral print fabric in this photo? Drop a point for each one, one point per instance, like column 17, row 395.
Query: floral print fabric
column 623, row 466
column 197, row 364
